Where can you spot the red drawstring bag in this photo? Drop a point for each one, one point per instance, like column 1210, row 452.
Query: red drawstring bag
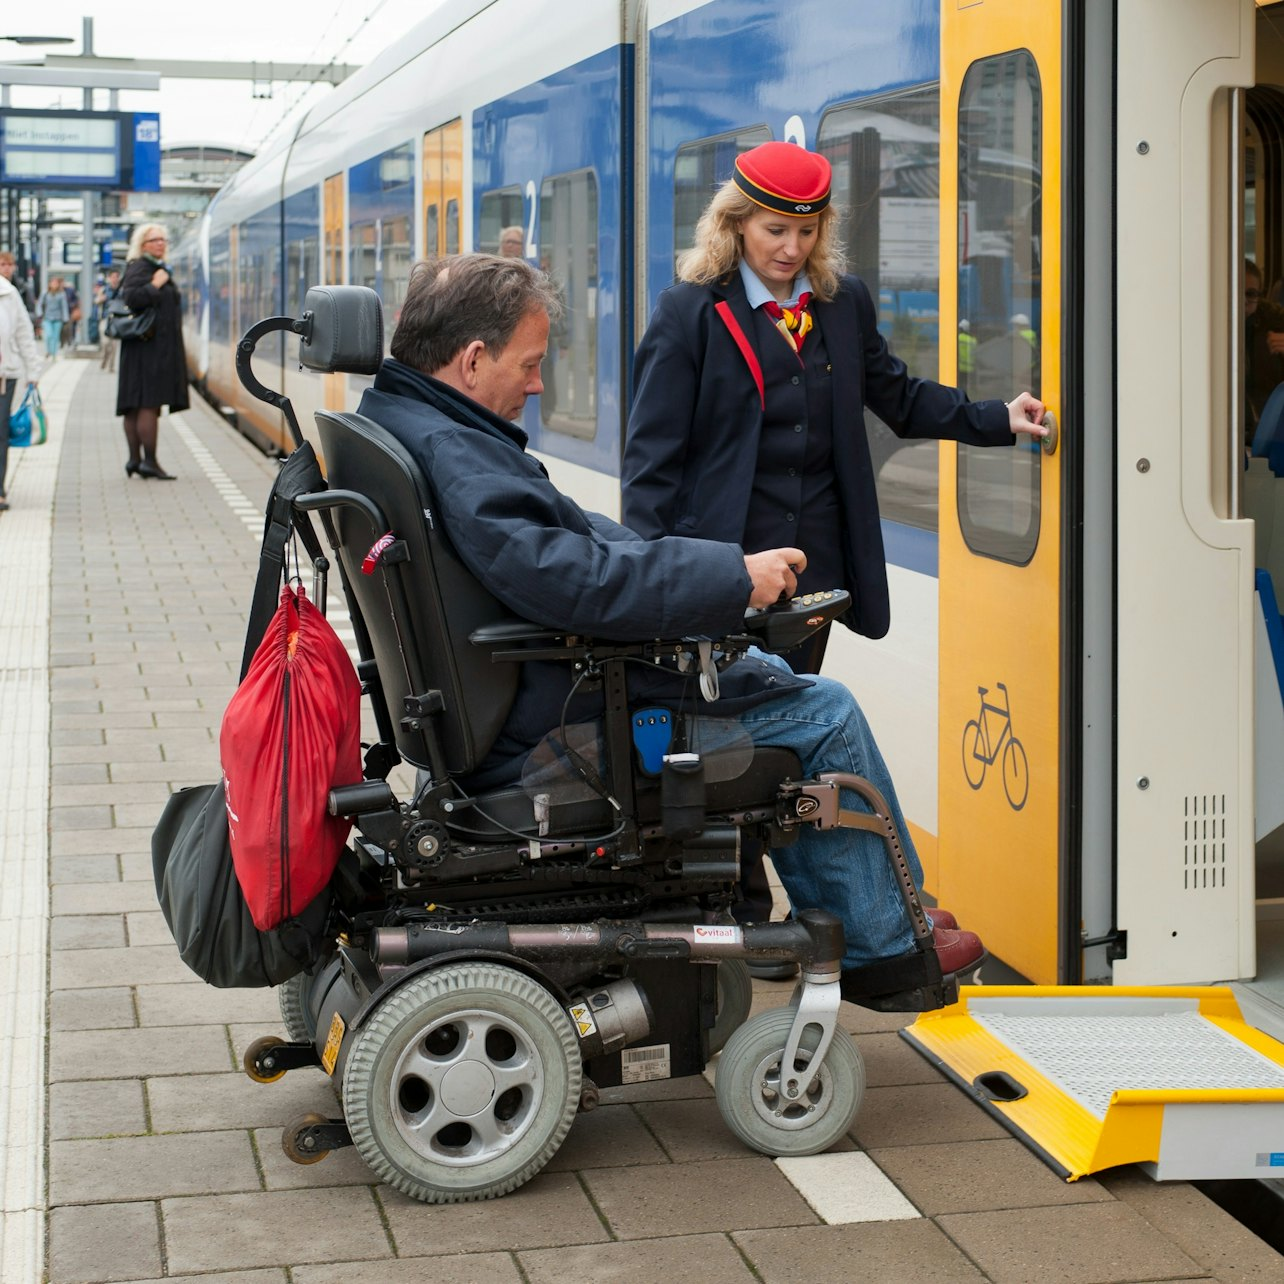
column 291, row 733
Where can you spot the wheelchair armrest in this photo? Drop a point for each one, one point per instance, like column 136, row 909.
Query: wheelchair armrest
column 503, row 632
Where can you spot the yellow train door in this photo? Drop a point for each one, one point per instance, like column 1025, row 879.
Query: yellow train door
column 1001, row 565
column 443, row 188
column 332, row 216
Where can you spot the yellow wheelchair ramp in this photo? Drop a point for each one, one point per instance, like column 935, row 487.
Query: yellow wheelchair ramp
column 1089, row 1077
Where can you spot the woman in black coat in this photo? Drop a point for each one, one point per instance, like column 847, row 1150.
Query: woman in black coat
column 153, row 371
column 750, row 386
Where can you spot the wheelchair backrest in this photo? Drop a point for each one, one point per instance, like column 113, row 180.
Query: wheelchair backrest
column 419, row 612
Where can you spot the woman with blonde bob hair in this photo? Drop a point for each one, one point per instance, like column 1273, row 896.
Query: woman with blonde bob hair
column 749, row 395
column 153, row 369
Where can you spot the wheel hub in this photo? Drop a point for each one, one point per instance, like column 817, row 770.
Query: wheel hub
column 467, row 1089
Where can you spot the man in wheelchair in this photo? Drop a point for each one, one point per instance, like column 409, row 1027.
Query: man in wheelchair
column 466, row 354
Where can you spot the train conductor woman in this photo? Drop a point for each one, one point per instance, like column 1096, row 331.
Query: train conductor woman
column 750, row 386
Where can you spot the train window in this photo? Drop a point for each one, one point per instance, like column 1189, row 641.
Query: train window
column 568, row 253
column 332, row 209
column 885, row 154
column 452, row 226
column 499, row 209
column 302, row 247
column 999, row 295
column 699, row 169
column 432, row 230
column 381, row 205
column 261, row 285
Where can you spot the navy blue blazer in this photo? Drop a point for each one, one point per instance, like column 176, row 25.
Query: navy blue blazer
column 692, row 443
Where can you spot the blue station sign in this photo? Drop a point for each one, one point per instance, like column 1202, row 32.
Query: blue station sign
column 103, row 150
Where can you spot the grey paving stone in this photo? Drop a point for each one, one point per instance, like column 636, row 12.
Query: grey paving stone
column 78, row 1054
column 1090, row 1244
column 123, row 1168
column 132, row 965
column 84, row 867
column 147, row 927
column 608, row 1137
column 1206, row 1233
column 269, row 1275
column 918, row 1114
column 687, row 1259
column 78, row 773
column 114, row 897
column 87, row 931
column 871, row 1252
column 136, row 866
column 139, row 814
column 273, row 1228
column 687, row 1199
column 469, row 1268
column 192, row 1002
column 551, row 1210
column 860, row 1020
column 105, row 1009
column 103, row 1242
column 890, row 1060
column 81, row 842
column 152, row 792
column 208, row 1102
column 96, row 1108
column 975, row 1175
column 689, row 1086
column 77, row 736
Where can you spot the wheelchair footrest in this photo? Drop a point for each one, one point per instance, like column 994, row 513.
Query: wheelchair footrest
column 908, row 983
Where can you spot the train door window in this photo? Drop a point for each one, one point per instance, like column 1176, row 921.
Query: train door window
column 501, row 208
column 443, row 184
column 332, row 206
column 568, row 234
column 452, row 226
column 885, row 154
column 699, row 169
column 999, row 221
column 302, row 248
column 381, row 200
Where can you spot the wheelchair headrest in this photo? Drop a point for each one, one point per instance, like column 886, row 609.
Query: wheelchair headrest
column 347, row 330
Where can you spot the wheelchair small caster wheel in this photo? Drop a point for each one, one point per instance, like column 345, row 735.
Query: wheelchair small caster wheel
column 753, row 1106
column 258, row 1061
column 299, row 1141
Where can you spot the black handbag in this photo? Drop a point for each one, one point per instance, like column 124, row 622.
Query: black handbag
column 125, row 324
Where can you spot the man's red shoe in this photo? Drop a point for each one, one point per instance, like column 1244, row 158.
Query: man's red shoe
column 941, row 917
column 956, row 950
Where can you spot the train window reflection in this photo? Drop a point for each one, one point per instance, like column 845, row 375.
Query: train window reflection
column 885, row 154
column 568, row 235
column 381, row 204
column 499, row 209
column 999, row 293
column 699, row 169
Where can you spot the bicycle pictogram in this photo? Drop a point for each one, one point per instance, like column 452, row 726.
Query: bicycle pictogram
column 983, row 738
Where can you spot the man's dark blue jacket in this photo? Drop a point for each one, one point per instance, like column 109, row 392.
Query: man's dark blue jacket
column 551, row 562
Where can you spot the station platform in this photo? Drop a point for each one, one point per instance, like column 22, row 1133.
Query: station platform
column 137, row 1149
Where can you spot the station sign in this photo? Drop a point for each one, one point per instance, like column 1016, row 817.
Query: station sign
column 94, row 150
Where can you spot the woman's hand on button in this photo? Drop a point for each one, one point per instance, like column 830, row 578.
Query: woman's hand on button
column 1025, row 415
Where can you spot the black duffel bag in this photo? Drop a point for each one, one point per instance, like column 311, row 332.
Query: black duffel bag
column 206, row 910
column 126, row 324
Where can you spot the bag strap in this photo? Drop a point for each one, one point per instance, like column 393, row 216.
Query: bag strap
column 299, row 475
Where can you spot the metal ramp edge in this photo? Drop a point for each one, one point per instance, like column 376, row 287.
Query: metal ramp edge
column 1089, row 1077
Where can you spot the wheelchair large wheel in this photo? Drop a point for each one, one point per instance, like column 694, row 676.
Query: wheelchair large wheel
column 749, row 1097
column 300, row 1027
column 735, row 998
column 463, row 1083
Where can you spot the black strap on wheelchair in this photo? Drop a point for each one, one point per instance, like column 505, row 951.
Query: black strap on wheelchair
column 299, row 475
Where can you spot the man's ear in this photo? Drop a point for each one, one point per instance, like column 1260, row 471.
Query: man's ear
column 467, row 361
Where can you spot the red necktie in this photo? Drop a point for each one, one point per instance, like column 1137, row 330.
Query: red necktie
column 793, row 322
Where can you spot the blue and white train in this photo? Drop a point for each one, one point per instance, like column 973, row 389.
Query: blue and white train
column 1077, row 695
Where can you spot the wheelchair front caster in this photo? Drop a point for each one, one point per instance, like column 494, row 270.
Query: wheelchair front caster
column 260, row 1061
column 309, row 1138
column 462, row 1083
column 749, row 1092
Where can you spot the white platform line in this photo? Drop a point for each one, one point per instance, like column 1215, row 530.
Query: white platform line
column 26, row 544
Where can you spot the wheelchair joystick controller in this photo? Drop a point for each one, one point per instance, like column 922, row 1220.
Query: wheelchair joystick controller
column 786, row 624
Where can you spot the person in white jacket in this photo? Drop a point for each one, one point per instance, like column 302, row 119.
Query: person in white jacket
column 19, row 365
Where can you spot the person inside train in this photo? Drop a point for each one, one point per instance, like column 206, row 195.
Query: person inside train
column 749, row 394
column 465, row 357
column 511, row 241
column 1263, row 349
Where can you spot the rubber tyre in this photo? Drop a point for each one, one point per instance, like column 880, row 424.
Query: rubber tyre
column 751, row 1062
column 292, row 996
column 735, row 998
column 419, row 1070
column 249, row 1059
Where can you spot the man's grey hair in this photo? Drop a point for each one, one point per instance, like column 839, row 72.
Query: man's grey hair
column 450, row 302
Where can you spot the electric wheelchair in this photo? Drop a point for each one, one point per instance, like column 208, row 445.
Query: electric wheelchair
column 500, row 957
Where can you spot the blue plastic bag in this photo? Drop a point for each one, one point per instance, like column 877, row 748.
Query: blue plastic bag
column 27, row 424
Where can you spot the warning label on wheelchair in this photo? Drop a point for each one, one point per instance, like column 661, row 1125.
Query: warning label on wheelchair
column 637, row 1065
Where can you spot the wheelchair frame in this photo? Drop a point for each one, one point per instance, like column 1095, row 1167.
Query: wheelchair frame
column 464, row 1043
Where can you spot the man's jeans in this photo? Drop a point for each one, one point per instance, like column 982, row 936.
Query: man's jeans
column 844, row 871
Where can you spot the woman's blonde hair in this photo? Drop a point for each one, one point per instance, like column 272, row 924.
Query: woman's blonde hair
column 719, row 248
column 140, row 234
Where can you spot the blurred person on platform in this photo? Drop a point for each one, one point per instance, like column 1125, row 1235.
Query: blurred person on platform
column 153, row 371
column 19, row 361
column 54, row 311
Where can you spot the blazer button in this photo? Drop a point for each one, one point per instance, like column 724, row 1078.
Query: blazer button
column 794, row 379
column 797, row 427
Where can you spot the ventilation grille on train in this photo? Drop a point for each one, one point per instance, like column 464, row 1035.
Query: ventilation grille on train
column 1204, row 849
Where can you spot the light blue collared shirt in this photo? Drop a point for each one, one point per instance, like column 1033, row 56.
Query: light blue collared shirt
column 758, row 294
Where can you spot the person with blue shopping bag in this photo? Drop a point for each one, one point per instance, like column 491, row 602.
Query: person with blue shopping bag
column 19, row 363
